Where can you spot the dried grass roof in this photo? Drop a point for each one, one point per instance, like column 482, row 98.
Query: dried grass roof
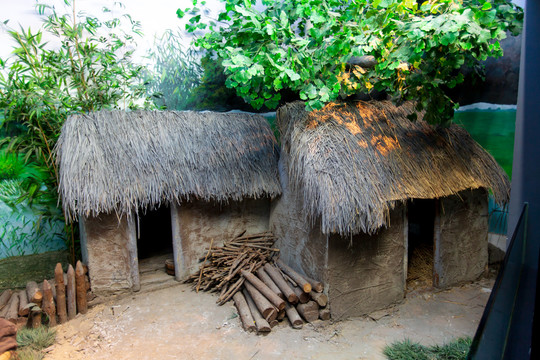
column 116, row 161
column 351, row 162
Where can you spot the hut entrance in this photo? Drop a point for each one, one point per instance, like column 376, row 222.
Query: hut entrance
column 154, row 238
column 421, row 217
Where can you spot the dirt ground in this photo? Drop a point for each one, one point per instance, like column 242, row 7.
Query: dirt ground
column 175, row 323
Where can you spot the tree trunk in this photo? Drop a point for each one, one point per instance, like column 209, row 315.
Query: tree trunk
column 309, row 311
column 298, row 279
column 294, row 318
column 281, row 283
column 260, row 322
column 269, row 282
column 48, row 303
column 244, row 312
column 60, row 294
column 265, row 290
column 13, row 309
column 265, row 307
column 80, row 281
column 71, row 300
column 23, row 302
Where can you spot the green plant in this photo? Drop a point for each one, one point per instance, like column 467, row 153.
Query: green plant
column 10, row 165
column 409, row 350
column 305, row 46
column 89, row 67
column 176, row 72
column 32, row 341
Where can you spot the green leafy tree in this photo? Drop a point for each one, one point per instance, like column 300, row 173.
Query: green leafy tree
column 175, row 73
column 88, row 67
column 306, row 46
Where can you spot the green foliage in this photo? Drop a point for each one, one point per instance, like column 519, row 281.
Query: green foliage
column 304, row 45
column 408, row 350
column 212, row 93
column 32, row 341
column 38, row 339
column 10, row 165
column 176, row 72
column 87, row 67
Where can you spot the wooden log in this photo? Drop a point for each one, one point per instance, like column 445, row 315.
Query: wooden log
column 23, row 302
column 278, row 302
column 244, row 312
column 4, row 310
column 60, row 294
column 82, row 305
column 265, row 307
column 34, row 294
column 12, row 312
column 52, row 282
column 316, row 286
column 302, row 296
column 48, row 306
column 298, row 279
column 320, row 298
column 34, row 318
column 309, row 311
column 281, row 314
column 269, row 282
column 261, row 324
column 273, row 323
column 294, row 318
column 324, row 314
column 4, row 298
column 281, row 283
column 70, row 293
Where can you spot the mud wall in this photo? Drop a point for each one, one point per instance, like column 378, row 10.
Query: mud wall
column 301, row 245
column 195, row 224
column 461, row 238
column 109, row 249
column 366, row 272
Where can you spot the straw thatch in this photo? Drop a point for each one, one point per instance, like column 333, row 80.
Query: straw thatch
column 115, row 161
column 351, row 162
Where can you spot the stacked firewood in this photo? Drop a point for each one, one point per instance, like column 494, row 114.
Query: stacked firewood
column 264, row 292
column 54, row 301
column 276, row 292
column 221, row 267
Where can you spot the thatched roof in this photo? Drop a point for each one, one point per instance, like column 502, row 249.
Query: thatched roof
column 116, row 161
column 351, row 162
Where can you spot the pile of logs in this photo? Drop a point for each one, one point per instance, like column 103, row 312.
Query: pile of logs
column 221, row 267
column 264, row 292
column 274, row 293
column 53, row 301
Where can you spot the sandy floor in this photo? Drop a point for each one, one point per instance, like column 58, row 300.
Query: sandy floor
column 176, row 323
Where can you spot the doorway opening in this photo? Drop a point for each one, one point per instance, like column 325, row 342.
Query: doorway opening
column 421, row 237
column 154, row 239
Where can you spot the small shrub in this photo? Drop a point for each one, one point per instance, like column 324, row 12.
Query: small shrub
column 36, row 339
column 409, row 350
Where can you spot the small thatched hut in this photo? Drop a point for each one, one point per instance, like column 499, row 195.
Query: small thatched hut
column 211, row 175
column 364, row 188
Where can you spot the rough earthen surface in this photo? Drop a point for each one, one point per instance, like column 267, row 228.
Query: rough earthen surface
column 302, row 246
column 461, row 254
column 106, row 243
column 366, row 272
column 196, row 224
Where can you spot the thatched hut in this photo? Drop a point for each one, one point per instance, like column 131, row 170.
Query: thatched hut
column 364, row 188
column 205, row 175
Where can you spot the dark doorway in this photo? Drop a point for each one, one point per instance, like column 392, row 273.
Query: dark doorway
column 154, row 233
column 421, row 217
